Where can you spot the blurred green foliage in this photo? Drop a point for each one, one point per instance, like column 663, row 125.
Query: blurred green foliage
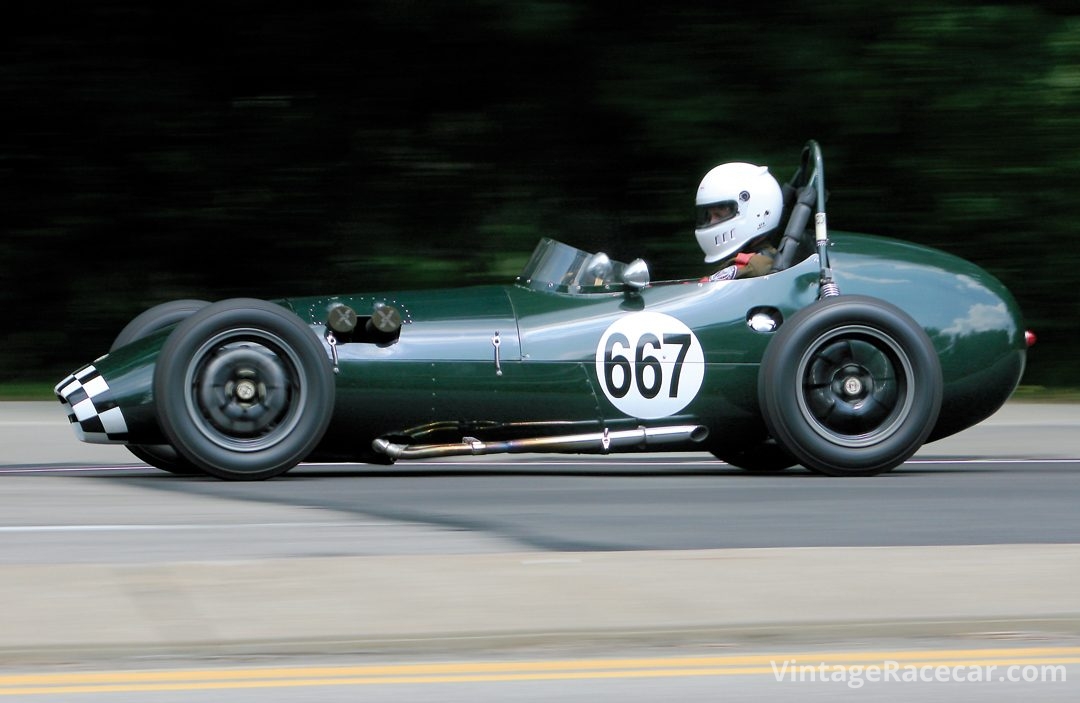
column 261, row 148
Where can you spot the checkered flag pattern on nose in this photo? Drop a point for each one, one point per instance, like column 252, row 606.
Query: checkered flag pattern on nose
column 93, row 413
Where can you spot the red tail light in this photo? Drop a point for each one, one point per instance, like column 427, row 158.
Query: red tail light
column 1030, row 338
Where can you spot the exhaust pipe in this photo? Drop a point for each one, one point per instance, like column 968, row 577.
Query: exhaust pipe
column 592, row 443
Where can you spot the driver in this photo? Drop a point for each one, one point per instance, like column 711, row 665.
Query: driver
column 738, row 207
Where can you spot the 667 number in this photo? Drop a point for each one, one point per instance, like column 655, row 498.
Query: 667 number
column 646, row 370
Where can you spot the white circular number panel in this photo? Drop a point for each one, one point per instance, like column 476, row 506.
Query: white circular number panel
column 649, row 364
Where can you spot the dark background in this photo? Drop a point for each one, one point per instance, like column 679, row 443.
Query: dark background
column 149, row 152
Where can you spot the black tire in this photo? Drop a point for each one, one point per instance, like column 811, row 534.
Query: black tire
column 244, row 389
column 160, row 456
column 156, row 318
column 164, row 457
column 850, row 386
column 765, row 459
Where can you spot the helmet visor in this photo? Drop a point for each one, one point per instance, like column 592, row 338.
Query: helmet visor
column 714, row 213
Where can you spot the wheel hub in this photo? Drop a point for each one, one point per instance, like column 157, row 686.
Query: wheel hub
column 853, row 382
column 852, row 387
column 245, row 391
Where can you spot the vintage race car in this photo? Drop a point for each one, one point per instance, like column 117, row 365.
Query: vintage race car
column 850, row 355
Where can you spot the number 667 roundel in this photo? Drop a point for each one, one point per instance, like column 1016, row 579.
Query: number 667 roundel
column 649, row 364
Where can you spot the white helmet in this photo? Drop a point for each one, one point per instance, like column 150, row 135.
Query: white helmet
column 736, row 203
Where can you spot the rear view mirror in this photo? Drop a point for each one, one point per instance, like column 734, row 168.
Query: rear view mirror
column 636, row 275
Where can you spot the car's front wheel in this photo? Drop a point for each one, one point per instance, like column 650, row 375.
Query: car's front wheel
column 161, row 456
column 850, row 386
column 244, row 389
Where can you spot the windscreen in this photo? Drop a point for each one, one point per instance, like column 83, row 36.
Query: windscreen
column 559, row 267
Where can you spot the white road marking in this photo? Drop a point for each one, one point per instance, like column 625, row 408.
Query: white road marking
column 68, row 469
column 611, row 462
column 151, row 528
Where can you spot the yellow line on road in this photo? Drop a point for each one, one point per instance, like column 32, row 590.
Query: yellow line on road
column 570, row 669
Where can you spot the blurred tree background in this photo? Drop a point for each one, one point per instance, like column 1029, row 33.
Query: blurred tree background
column 153, row 152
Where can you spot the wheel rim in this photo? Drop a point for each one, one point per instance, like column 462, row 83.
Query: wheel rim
column 856, row 386
column 244, row 390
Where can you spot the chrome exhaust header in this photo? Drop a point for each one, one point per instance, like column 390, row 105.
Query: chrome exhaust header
column 591, row 443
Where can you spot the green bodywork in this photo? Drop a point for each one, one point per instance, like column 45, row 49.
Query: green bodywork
column 443, row 377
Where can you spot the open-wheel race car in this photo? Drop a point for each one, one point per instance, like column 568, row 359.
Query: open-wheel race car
column 848, row 356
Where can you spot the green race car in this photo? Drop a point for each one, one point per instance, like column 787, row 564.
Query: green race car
column 846, row 358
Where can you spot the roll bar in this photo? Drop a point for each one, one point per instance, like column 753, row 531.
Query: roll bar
column 808, row 184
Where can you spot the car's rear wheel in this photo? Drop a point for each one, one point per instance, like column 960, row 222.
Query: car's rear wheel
column 161, row 456
column 763, row 459
column 850, row 386
column 244, row 389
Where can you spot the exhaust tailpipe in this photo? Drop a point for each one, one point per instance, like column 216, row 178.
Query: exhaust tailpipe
column 592, row 443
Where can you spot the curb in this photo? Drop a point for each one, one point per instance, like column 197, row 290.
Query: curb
column 321, row 605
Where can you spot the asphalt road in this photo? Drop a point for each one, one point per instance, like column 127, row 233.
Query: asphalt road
column 1012, row 480
column 110, row 563
column 573, row 506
